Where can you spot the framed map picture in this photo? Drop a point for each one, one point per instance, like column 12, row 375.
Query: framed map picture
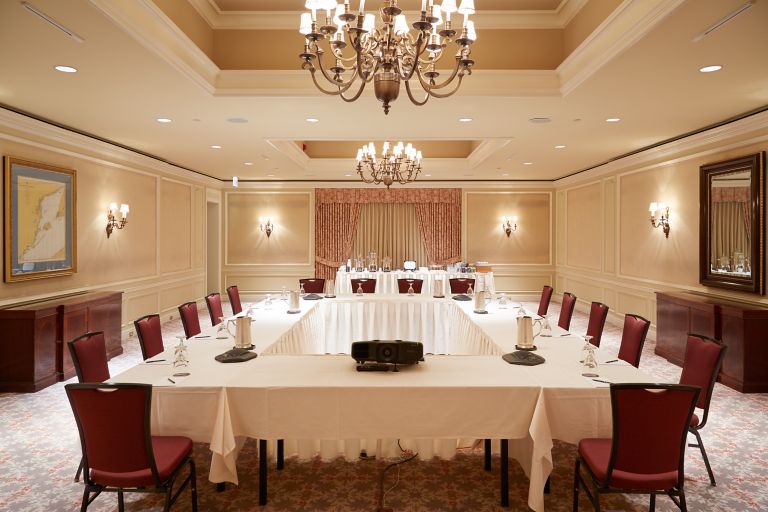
column 40, row 223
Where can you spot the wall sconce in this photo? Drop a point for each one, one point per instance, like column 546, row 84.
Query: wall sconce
column 266, row 225
column 112, row 222
column 509, row 224
column 663, row 219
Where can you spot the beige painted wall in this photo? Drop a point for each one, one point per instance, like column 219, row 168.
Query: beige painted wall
column 608, row 250
column 152, row 255
column 260, row 264
column 522, row 263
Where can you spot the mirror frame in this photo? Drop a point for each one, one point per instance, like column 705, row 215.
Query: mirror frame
column 755, row 164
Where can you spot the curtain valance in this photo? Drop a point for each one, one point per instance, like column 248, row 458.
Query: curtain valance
column 371, row 195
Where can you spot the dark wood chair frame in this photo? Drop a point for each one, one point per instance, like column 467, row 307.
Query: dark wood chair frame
column 231, row 290
column 676, row 494
column 214, row 319
column 644, row 336
column 184, row 321
column 139, row 335
column 165, row 487
column 695, row 430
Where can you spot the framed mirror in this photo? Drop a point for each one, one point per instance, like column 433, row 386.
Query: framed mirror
column 732, row 224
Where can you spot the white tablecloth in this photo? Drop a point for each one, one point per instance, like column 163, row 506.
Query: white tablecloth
column 321, row 404
column 386, row 282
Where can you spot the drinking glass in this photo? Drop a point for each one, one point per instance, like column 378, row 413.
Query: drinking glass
column 503, row 301
column 284, row 294
column 180, row 354
column 589, row 365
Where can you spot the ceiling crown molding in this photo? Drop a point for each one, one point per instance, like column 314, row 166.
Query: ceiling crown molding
column 288, row 20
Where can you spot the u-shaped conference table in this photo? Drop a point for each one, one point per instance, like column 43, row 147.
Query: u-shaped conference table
column 301, row 390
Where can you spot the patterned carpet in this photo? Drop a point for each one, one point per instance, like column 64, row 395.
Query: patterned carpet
column 39, row 453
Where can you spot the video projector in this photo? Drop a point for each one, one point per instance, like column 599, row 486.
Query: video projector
column 383, row 353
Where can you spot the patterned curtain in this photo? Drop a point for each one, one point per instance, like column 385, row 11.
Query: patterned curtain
column 337, row 213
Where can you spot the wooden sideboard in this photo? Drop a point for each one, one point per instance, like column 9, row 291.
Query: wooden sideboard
column 33, row 337
column 742, row 327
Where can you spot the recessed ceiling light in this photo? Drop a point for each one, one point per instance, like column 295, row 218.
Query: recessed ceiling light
column 465, row 119
column 347, row 175
column 540, row 120
column 527, row 163
column 312, row 120
column 247, row 163
column 505, row 174
column 234, row 181
column 560, row 146
column 65, row 69
column 163, row 120
column 237, row 120
column 270, row 175
column 215, row 146
column 613, row 120
column 428, row 175
column 710, row 69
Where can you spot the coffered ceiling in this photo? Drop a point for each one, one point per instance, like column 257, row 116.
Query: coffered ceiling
column 226, row 73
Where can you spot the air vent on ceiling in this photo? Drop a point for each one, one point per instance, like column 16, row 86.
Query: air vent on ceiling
column 31, row 8
column 719, row 23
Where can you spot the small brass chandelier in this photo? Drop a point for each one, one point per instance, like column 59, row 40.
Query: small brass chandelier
column 387, row 54
column 400, row 164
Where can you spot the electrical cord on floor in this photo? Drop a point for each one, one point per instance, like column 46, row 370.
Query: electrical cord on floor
column 382, row 494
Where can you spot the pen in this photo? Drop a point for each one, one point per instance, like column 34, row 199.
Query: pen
column 202, row 336
column 155, row 361
column 612, row 361
column 171, row 380
column 603, row 381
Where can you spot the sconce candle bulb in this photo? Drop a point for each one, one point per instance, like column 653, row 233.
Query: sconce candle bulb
column 662, row 220
column 509, row 224
column 266, row 225
column 112, row 221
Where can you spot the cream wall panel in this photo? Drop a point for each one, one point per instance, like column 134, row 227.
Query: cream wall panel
column 136, row 305
column 176, row 223
column 637, row 304
column 485, row 239
column 258, row 284
column 516, row 283
column 586, row 290
column 609, row 228
column 174, row 295
column 560, row 227
column 584, row 227
column 292, row 239
column 198, row 227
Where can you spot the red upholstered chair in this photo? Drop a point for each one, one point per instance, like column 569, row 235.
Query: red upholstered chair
column 403, row 284
column 119, row 452
column 546, row 296
column 189, row 319
column 598, row 312
column 461, row 284
column 89, row 355
column 368, row 285
column 633, row 339
column 150, row 335
column 647, row 452
column 234, row 299
column 703, row 359
column 566, row 310
column 213, row 301
column 313, row 285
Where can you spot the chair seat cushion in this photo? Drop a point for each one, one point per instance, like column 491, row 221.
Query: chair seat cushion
column 695, row 420
column 169, row 451
column 597, row 452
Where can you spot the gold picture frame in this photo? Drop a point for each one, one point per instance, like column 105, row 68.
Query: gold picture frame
column 40, row 220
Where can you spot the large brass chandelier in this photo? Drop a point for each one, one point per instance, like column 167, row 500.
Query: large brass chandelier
column 400, row 164
column 389, row 53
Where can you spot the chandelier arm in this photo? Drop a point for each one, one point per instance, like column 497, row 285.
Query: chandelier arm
column 363, row 83
column 446, row 94
column 417, row 56
column 446, row 82
column 343, row 86
column 320, row 88
column 411, row 97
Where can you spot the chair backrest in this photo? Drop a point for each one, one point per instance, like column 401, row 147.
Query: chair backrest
column 403, row 284
column 368, row 285
column 89, row 355
column 598, row 312
column 189, row 319
column 461, row 284
column 633, row 339
column 234, row 299
column 213, row 301
column 703, row 359
column 650, row 425
column 546, row 296
column 566, row 310
column 313, row 285
column 150, row 335
column 113, row 421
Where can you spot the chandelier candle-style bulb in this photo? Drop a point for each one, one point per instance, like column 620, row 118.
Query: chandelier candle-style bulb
column 399, row 163
column 112, row 222
column 387, row 54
